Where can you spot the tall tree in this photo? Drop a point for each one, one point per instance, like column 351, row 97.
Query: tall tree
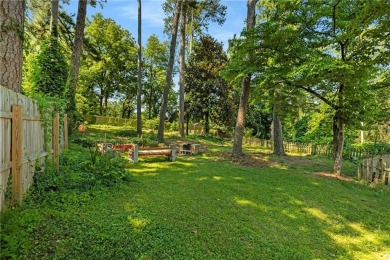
column 54, row 18
column 277, row 130
column 168, row 78
column 210, row 98
column 245, row 89
column 11, row 43
column 198, row 14
column 334, row 50
column 139, row 81
column 112, row 70
column 182, row 67
column 75, row 60
column 156, row 60
column 50, row 70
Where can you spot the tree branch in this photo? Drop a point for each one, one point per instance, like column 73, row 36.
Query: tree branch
column 309, row 90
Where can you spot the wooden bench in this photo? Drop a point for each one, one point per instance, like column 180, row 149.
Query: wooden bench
column 135, row 152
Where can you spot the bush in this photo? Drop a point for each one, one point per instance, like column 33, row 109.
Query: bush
column 80, row 172
column 373, row 148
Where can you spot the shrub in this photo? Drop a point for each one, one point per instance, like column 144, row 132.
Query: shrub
column 80, row 172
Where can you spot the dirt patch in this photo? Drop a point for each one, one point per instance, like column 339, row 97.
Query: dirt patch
column 248, row 160
column 333, row 176
column 294, row 160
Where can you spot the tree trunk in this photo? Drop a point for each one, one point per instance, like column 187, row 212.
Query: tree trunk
column 75, row 60
column 245, row 89
column 277, row 134
column 207, row 123
column 338, row 141
column 240, row 123
column 54, row 18
column 11, row 43
column 151, row 92
column 139, row 87
column 105, row 104
column 168, row 77
column 101, row 104
column 182, row 69
column 187, row 123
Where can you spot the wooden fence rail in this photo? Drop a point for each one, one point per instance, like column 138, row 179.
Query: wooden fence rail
column 325, row 150
column 22, row 143
column 375, row 169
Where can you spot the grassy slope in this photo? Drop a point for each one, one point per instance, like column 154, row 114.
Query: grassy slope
column 204, row 207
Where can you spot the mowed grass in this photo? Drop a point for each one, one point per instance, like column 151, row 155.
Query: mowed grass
column 205, row 207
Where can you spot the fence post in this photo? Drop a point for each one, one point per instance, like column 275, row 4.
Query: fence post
column 173, row 154
column 135, row 153
column 16, row 144
column 66, row 131
column 56, row 139
column 360, row 171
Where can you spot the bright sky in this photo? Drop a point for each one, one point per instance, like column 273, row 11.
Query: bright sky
column 125, row 13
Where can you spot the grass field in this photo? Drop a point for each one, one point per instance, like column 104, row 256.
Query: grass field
column 208, row 207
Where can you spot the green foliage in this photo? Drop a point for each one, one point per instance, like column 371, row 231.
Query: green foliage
column 199, row 14
column 372, row 148
column 109, row 70
column 155, row 65
column 259, row 119
column 80, row 172
column 208, row 96
column 50, row 70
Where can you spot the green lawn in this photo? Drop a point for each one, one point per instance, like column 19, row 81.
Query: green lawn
column 206, row 207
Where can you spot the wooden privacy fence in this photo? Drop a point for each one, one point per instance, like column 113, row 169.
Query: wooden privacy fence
column 375, row 169
column 22, row 142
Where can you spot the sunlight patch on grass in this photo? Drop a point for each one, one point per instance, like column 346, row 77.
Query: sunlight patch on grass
column 244, row 203
column 145, row 174
column 318, row 214
column 352, row 236
column 278, row 166
column 296, row 202
column 368, row 244
column 138, row 223
column 289, row 214
column 217, row 178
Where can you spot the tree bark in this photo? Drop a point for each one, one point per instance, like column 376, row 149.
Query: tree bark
column 139, row 87
column 277, row 133
column 11, row 43
column 338, row 141
column 245, row 90
column 182, row 69
column 75, row 60
column 54, row 18
column 207, row 123
column 168, row 77
column 151, row 92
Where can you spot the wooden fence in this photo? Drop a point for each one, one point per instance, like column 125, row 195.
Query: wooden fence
column 375, row 169
column 22, row 143
column 325, row 150
column 291, row 147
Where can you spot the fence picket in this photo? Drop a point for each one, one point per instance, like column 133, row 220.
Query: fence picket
column 26, row 144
